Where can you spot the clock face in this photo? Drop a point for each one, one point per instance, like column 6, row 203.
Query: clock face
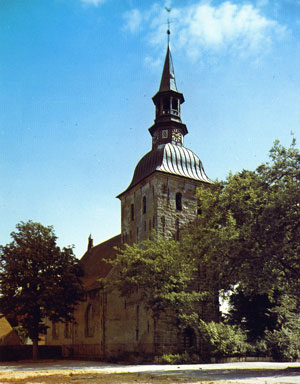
column 176, row 136
column 164, row 134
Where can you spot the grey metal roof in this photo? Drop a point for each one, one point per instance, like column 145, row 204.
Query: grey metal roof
column 170, row 158
column 168, row 82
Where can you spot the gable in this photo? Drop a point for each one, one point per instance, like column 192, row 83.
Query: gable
column 93, row 262
column 7, row 335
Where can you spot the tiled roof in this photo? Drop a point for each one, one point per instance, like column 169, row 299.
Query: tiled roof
column 7, row 335
column 93, row 263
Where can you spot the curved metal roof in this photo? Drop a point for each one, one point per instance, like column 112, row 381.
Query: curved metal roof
column 170, row 158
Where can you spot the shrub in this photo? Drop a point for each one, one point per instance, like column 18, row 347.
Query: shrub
column 283, row 344
column 179, row 358
column 222, row 340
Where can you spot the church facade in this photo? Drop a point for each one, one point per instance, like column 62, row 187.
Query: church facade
column 160, row 200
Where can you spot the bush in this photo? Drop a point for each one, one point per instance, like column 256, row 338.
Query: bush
column 222, row 340
column 283, row 344
column 179, row 358
column 260, row 348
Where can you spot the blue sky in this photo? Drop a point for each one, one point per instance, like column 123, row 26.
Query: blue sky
column 76, row 82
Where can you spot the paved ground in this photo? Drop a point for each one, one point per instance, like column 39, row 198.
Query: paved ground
column 250, row 372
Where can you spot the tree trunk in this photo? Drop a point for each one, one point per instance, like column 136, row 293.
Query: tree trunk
column 35, row 354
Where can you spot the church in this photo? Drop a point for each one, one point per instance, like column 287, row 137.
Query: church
column 160, row 199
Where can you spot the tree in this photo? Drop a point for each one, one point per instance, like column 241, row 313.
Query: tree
column 38, row 280
column 249, row 227
column 160, row 273
column 254, row 314
column 283, row 342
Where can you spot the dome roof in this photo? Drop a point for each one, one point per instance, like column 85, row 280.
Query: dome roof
column 170, row 158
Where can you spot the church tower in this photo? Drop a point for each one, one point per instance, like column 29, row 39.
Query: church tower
column 161, row 196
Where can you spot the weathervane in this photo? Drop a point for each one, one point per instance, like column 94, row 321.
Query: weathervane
column 168, row 31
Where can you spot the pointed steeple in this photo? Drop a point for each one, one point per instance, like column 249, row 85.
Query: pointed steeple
column 168, row 126
column 168, row 82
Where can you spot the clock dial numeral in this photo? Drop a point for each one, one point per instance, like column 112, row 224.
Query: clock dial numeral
column 176, row 136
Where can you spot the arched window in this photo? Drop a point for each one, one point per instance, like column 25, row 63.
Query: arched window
column 189, row 338
column 54, row 330
column 144, row 205
column 67, row 330
column 199, row 210
column 178, row 201
column 89, row 323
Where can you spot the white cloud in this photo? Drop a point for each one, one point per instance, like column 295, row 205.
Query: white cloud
column 262, row 3
column 153, row 63
column 133, row 20
column 242, row 30
column 93, row 2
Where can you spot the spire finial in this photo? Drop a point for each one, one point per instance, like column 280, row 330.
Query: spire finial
column 168, row 30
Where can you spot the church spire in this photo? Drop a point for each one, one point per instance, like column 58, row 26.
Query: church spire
column 168, row 126
column 168, row 82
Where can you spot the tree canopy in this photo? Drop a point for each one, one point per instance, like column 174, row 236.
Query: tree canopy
column 38, row 280
column 161, row 274
column 246, row 236
column 249, row 227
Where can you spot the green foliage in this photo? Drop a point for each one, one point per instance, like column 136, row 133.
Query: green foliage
column 222, row 340
column 22, row 333
column 38, row 280
column 283, row 343
column 249, row 227
column 161, row 273
column 178, row 358
column 252, row 313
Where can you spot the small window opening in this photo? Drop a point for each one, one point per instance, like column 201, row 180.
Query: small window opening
column 179, row 201
column 137, row 322
column 89, row 326
column 177, row 233
column 54, row 330
column 166, row 105
column 132, row 212
column 67, row 330
column 189, row 338
column 163, row 222
column 175, row 106
column 144, row 205
column 199, row 210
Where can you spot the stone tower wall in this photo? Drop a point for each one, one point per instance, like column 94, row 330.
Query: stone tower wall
column 160, row 216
